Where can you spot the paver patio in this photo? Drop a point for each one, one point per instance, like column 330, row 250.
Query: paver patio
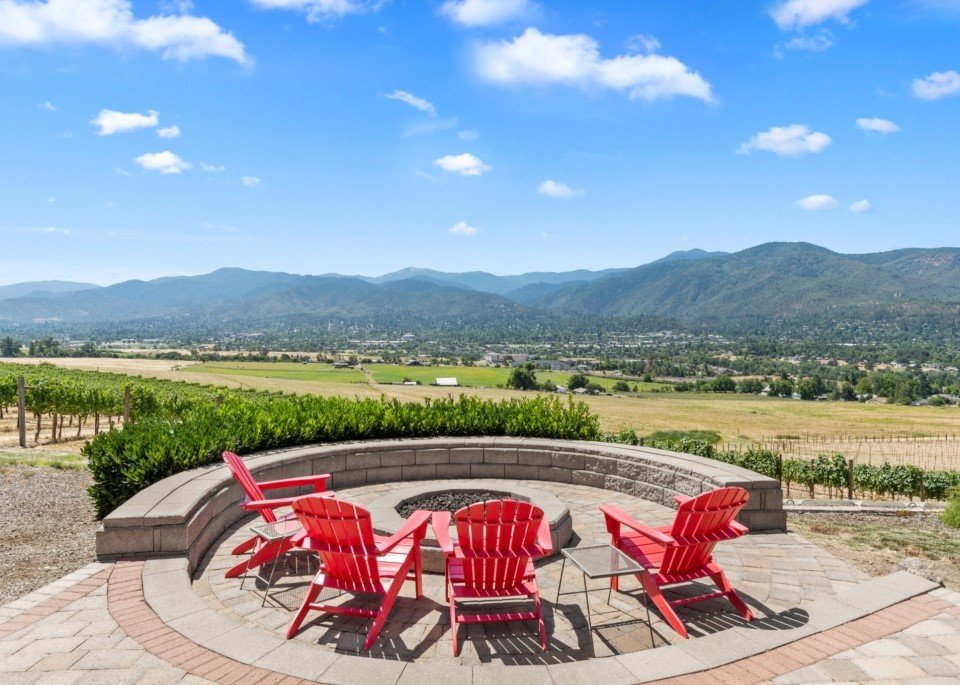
column 135, row 622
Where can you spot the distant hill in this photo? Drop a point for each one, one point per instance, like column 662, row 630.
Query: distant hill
column 771, row 280
column 41, row 289
column 782, row 282
column 490, row 283
column 689, row 256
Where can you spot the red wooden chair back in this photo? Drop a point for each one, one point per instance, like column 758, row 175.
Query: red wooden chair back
column 342, row 533
column 497, row 539
column 244, row 478
column 697, row 521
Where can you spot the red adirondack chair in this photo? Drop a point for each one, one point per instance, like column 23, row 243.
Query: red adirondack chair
column 492, row 559
column 682, row 551
column 264, row 550
column 355, row 560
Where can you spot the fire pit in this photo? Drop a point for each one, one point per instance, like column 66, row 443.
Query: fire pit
column 391, row 510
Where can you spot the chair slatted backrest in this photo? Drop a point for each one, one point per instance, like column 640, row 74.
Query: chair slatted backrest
column 244, row 478
column 498, row 538
column 703, row 516
column 342, row 533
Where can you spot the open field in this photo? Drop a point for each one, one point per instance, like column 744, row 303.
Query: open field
column 321, row 373
column 741, row 420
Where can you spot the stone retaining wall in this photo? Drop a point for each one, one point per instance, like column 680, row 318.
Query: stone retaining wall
column 185, row 513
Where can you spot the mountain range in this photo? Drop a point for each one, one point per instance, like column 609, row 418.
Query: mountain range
column 773, row 280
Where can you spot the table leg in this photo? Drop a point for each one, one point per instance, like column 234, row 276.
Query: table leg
column 563, row 565
column 586, row 596
column 273, row 570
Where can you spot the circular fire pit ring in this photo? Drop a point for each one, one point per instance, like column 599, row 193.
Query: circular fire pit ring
column 387, row 519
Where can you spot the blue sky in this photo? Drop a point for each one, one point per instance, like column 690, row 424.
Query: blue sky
column 154, row 138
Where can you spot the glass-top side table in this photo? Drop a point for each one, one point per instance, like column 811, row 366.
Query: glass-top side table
column 282, row 529
column 598, row 561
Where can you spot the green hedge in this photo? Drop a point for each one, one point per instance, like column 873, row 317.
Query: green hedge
column 126, row 461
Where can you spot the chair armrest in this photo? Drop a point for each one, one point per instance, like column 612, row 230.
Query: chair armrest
column 543, row 537
column 319, row 482
column 416, row 525
column 739, row 527
column 680, row 499
column 617, row 515
column 440, row 522
column 261, row 504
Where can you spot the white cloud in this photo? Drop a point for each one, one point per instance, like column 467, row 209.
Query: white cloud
column 169, row 132
column 861, row 206
column 212, row 168
column 485, row 12
column 111, row 23
column 251, row 181
column 51, row 230
column 468, row 134
column 818, row 42
column 428, row 126
column 464, row 229
column 797, row 14
column 176, row 6
column 111, row 122
column 318, row 10
column 412, row 100
column 787, row 141
column 165, row 162
column 817, row 202
column 574, row 60
column 49, row 106
column 464, row 164
column 877, row 125
column 937, row 85
column 553, row 188
column 643, row 43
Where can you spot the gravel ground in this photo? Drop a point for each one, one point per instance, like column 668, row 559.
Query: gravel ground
column 47, row 527
column 448, row 501
column 880, row 544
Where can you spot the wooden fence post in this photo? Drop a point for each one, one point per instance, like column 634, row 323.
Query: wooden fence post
column 849, row 478
column 22, row 410
column 127, row 401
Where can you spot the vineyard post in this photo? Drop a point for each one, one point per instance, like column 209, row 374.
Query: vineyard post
column 923, row 492
column 126, row 404
column 218, row 400
column 849, row 478
column 22, row 410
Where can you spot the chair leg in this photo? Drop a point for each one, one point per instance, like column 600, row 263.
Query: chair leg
column 245, row 546
column 388, row 601
column 659, row 601
column 720, row 578
column 270, row 550
column 540, row 623
column 312, row 593
column 418, row 570
column 453, row 625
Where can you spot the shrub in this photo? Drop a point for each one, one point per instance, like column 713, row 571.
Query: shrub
column 627, row 436
column 522, row 378
column 952, row 515
column 123, row 462
column 577, row 380
column 621, row 386
column 707, row 436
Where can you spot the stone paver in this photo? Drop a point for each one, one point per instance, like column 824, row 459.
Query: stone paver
column 97, row 627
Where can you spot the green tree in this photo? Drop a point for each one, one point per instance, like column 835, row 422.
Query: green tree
column 723, row 384
column 522, row 378
column 621, row 386
column 9, row 347
column 577, row 380
column 782, row 387
column 750, row 386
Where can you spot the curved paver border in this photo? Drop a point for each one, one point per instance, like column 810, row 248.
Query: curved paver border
column 858, row 614
column 185, row 513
